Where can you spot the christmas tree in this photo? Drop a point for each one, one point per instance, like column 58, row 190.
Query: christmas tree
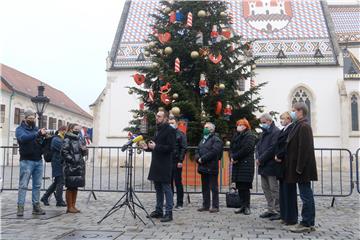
column 198, row 66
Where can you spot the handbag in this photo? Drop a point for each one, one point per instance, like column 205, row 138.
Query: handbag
column 232, row 198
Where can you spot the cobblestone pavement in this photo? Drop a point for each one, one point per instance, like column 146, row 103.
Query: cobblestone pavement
column 338, row 222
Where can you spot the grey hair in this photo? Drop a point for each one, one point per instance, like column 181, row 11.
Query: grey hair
column 266, row 116
column 211, row 126
column 301, row 106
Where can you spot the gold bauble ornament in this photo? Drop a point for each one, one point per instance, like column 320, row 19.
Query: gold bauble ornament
column 168, row 50
column 175, row 111
column 155, row 64
column 227, row 143
column 175, row 96
column 130, row 91
column 146, row 53
column 152, row 44
column 135, row 115
column 194, row 54
column 167, row 10
column 222, row 86
column 201, row 13
column 223, row 14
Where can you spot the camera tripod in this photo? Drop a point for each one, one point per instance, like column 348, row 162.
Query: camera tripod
column 129, row 198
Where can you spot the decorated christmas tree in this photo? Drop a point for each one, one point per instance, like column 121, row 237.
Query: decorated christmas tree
column 198, row 68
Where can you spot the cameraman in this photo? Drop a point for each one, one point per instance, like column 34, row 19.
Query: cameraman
column 30, row 140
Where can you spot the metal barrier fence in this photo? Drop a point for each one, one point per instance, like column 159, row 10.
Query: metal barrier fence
column 357, row 169
column 106, row 168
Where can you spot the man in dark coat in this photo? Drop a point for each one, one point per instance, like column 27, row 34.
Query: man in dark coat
column 162, row 147
column 57, row 170
column 269, row 169
column 208, row 154
column 178, row 157
column 300, row 166
column 30, row 140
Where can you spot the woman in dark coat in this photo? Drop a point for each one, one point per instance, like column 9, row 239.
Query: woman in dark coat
column 208, row 154
column 287, row 191
column 73, row 153
column 57, row 170
column 242, row 158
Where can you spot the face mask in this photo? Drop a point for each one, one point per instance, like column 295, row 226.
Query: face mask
column 173, row 126
column 293, row 116
column 206, row 131
column 240, row 128
column 76, row 132
column 30, row 123
column 264, row 126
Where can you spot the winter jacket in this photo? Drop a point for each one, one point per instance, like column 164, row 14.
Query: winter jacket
column 56, row 160
column 161, row 161
column 210, row 151
column 180, row 148
column 280, row 147
column 30, row 142
column 242, row 152
column 300, row 164
column 265, row 152
column 74, row 164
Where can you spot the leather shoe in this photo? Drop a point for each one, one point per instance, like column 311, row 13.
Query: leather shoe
column 167, row 217
column 45, row 201
column 247, row 211
column 203, row 209
column 61, row 204
column 241, row 210
column 267, row 214
column 214, row 210
column 275, row 217
column 155, row 214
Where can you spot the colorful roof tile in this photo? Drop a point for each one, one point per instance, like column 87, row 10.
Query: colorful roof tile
column 297, row 27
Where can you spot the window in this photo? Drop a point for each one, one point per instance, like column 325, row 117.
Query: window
column 60, row 123
column 2, row 117
column 17, row 118
column 52, row 123
column 302, row 95
column 354, row 113
column 44, row 121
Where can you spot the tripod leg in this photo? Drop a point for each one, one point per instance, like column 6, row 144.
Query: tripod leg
column 114, row 208
column 93, row 194
column 139, row 204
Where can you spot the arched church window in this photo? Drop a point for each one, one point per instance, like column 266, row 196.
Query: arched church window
column 302, row 95
column 354, row 113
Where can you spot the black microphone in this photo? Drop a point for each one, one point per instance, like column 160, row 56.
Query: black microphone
column 129, row 143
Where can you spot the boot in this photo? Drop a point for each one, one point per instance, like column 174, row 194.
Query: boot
column 69, row 199
column 20, row 211
column 74, row 200
column 37, row 210
column 49, row 191
column 59, row 196
column 167, row 217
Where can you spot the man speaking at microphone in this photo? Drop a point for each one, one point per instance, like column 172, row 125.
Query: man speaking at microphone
column 162, row 147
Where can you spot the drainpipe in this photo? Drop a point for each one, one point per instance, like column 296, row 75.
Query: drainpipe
column 9, row 126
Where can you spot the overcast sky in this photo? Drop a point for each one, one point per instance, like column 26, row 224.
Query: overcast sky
column 63, row 43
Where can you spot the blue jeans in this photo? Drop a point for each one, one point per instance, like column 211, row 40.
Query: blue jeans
column 161, row 189
column 29, row 169
column 308, row 208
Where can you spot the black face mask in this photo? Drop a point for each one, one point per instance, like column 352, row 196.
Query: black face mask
column 30, row 123
column 76, row 132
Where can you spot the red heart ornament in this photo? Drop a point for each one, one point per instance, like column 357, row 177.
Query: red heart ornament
column 164, row 37
column 218, row 108
column 139, row 79
column 226, row 33
column 216, row 59
column 165, row 99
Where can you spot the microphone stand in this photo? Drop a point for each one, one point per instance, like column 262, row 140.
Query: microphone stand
column 128, row 197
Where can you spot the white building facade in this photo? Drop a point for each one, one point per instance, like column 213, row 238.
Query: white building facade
column 311, row 57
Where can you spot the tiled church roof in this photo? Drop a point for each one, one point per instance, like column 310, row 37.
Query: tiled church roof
column 346, row 20
column 303, row 31
column 14, row 80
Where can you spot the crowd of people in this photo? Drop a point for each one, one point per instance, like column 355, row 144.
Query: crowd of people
column 285, row 160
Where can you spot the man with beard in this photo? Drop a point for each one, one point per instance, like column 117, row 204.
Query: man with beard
column 162, row 147
column 30, row 139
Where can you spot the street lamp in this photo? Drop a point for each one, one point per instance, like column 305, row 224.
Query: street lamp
column 41, row 103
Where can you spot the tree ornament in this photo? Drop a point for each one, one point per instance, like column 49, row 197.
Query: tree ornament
column 167, row 10
column 139, row 78
column 152, row 44
column 222, row 86
column 227, row 112
column 201, row 13
column 168, row 50
column 226, row 33
column 130, row 92
column 175, row 96
column 135, row 115
column 194, row 54
column 175, row 111
column 204, row 52
column 160, row 52
column 179, row 16
column 218, row 108
column 199, row 38
column 223, row 14
column 216, row 90
column 189, row 20
column 165, row 99
column 141, row 105
column 164, row 37
column 155, row 64
column 172, row 17
column 227, row 143
column 215, row 59
column 204, row 89
column 146, row 53
column 214, row 34
column 165, row 89
column 177, row 65
column 151, row 96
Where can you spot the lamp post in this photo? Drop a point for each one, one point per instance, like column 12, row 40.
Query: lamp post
column 41, row 103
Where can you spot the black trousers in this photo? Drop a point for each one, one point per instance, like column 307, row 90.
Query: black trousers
column 57, row 187
column 176, row 178
column 244, row 193
column 288, row 202
column 209, row 183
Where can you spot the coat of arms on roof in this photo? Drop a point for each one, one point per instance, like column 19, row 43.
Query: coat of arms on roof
column 267, row 15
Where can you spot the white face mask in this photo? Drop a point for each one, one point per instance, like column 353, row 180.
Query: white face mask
column 240, row 128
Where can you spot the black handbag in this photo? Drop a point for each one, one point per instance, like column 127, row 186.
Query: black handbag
column 232, row 198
